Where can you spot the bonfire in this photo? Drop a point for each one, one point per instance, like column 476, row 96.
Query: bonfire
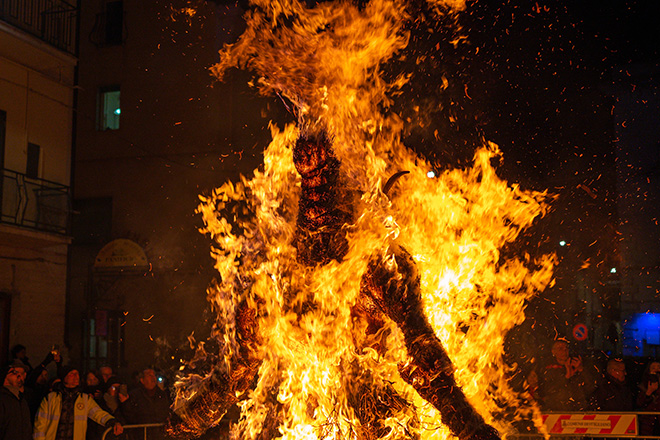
column 357, row 298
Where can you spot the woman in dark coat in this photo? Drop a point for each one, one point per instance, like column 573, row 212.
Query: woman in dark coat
column 648, row 399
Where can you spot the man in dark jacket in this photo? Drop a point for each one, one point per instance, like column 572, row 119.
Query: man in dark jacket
column 566, row 383
column 613, row 394
column 15, row 420
column 147, row 403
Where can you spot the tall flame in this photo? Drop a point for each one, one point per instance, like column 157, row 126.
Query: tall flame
column 319, row 364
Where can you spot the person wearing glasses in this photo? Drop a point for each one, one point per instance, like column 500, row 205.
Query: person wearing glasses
column 15, row 419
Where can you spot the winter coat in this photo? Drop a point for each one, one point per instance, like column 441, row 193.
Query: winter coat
column 141, row 407
column 612, row 395
column 15, row 420
column 48, row 416
column 144, row 407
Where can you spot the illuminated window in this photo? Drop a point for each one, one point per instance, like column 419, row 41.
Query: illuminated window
column 110, row 110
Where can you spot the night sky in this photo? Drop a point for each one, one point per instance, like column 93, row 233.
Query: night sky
column 532, row 77
column 538, row 78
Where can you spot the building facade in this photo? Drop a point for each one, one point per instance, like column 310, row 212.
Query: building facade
column 154, row 131
column 37, row 100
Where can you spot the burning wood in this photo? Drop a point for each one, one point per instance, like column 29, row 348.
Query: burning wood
column 222, row 389
column 334, row 293
column 323, row 208
column 391, row 284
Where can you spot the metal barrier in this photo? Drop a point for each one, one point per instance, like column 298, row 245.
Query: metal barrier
column 589, row 425
column 144, row 426
column 523, row 436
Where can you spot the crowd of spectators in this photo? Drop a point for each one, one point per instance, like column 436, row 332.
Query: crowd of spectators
column 36, row 405
column 77, row 405
column 570, row 383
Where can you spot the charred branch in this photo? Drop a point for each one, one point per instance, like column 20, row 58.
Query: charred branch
column 324, row 208
column 221, row 389
column 393, row 284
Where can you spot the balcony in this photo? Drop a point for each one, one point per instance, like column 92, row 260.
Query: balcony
column 53, row 21
column 35, row 204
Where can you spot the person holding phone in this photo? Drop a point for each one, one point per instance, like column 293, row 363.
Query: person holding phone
column 648, row 399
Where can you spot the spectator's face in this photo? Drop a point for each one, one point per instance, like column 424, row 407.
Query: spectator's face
column 15, row 377
column 654, row 368
column 43, row 377
column 91, row 380
column 560, row 351
column 72, row 379
column 148, row 379
column 618, row 371
column 106, row 373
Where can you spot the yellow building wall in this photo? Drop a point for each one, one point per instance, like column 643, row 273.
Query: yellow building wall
column 37, row 94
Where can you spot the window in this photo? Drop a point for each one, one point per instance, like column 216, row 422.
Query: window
column 114, row 25
column 32, row 167
column 108, row 27
column 3, row 130
column 5, row 314
column 109, row 109
column 104, row 339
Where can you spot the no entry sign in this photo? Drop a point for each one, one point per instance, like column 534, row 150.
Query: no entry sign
column 580, row 332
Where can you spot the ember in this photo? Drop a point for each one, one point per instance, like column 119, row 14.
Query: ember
column 350, row 308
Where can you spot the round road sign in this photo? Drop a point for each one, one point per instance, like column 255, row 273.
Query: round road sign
column 580, row 332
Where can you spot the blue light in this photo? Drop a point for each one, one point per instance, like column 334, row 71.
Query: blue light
column 430, row 174
column 118, row 111
column 642, row 329
column 647, row 321
column 613, row 270
column 562, row 243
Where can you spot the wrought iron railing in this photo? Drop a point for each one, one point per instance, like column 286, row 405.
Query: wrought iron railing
column 34, row 203
column 53, row 21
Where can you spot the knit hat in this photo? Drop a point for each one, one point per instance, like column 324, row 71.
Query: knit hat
column 17, row 363
column 66, row 369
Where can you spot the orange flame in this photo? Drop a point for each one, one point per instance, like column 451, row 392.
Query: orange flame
column 327, row 61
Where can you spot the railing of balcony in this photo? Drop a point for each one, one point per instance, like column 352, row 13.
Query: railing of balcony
column 53, row 21
column 34, row 203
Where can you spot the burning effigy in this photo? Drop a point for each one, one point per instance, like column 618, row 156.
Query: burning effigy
column 357, row 297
